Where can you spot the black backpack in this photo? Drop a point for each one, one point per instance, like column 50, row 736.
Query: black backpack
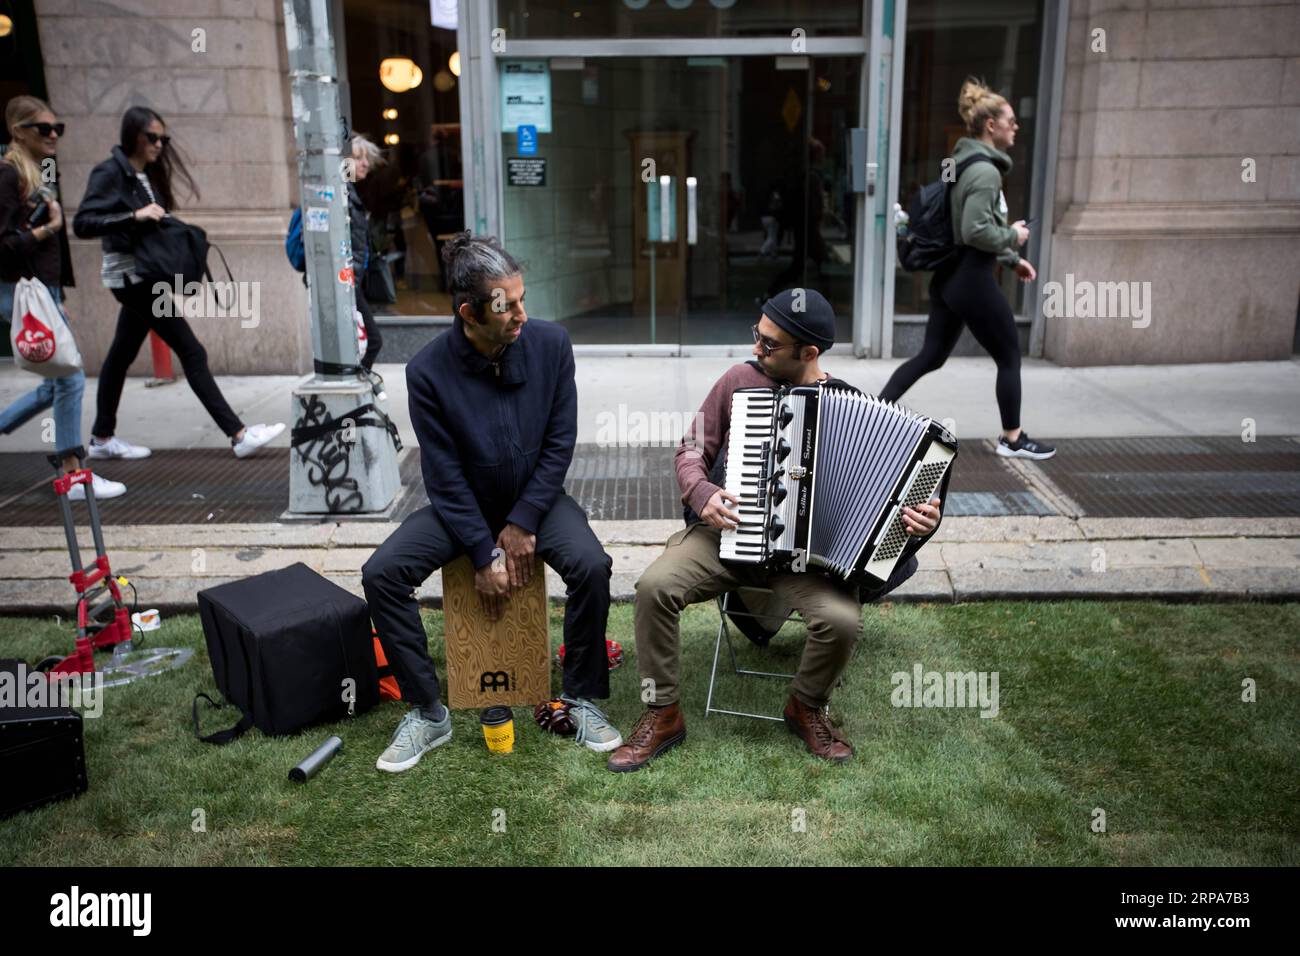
column 926, row 242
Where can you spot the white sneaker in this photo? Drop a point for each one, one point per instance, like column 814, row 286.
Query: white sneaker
column 103, row 489
column 255, row 436
column 116, row 448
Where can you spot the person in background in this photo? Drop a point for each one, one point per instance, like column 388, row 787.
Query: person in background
column 965, row 292
column 34, row 244
column 365, row 156
column 125, row 194
column 803, row 205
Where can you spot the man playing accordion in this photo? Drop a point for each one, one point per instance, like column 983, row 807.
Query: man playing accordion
column 796, row 327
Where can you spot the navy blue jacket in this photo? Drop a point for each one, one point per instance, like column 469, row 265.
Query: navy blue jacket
column 496, row 437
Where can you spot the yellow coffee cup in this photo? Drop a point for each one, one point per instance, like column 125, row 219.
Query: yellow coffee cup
column 498, row 729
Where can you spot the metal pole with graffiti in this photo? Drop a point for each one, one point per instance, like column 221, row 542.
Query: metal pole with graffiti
column 344, row 458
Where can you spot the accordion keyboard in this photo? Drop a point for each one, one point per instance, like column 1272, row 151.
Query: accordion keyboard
column 747, row 454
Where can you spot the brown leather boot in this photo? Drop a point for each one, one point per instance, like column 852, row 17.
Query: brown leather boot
column 813, row 727
column 656, row 730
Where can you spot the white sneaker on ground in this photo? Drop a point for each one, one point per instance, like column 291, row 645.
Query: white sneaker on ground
column 115, row 448
column 255, row 436
column 103, row 489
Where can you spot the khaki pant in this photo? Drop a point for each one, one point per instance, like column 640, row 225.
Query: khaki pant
column 689, row 571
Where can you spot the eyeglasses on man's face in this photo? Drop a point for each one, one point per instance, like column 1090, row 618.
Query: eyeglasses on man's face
column 768, row 346
column 45, row 129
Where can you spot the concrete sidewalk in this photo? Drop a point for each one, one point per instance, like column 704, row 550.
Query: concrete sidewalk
column 1059, row 403
column 971, row 559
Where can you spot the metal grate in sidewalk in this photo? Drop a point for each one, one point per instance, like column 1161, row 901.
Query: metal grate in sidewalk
column 195, row 486
column 1184, row 477
column 611, row 483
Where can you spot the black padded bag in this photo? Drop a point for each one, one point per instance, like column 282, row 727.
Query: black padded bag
column 281, row 645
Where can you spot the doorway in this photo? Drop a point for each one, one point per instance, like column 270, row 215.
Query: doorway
column 662, row 199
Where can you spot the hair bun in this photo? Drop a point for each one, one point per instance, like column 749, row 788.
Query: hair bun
column 977, row 103
column 454, row 246
column 972, row 91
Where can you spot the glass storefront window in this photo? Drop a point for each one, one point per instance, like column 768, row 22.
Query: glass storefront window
column 577, row 19
column 948, row 40
column 416, row 198
column 673, row 195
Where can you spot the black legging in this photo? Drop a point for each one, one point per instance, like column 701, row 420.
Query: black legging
column 374, row 340
column 967, row 294
column 134, row 321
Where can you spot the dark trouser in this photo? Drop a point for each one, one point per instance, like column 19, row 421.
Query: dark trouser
column 967, row 294
column 374, row 340
column 134, row 322
column 422, row 544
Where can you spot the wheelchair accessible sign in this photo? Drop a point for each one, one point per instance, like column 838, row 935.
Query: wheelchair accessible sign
column 526, row 143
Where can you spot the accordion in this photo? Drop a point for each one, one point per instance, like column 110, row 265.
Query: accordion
column 823, row 475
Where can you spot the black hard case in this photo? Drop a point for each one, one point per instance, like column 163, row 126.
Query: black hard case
column 42, row 754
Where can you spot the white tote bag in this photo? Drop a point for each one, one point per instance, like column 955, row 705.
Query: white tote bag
column 41, row 339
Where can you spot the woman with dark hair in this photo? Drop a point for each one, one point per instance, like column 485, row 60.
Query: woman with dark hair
column 34, row 244
column 128, row 193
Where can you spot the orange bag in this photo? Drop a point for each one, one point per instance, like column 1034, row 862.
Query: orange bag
column 388, row 689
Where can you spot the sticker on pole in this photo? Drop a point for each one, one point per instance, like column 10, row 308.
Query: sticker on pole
column 317, row 219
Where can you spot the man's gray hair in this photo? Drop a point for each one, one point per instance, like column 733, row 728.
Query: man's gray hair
column 472, row 265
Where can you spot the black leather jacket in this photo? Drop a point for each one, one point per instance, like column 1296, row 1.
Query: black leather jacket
column 113, row 194
column 359, row 220
column 21, row 255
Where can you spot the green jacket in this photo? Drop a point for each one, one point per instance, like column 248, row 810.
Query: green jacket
column 979, row 217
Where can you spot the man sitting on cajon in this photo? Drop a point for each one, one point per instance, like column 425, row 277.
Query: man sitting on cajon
column 495, row 407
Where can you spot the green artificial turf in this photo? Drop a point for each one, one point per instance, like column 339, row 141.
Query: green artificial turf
column 1131, row 708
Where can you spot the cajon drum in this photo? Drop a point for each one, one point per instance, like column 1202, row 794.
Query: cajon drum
column 502, row 662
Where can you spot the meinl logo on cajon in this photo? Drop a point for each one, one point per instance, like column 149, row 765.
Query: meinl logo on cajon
column 494, row 680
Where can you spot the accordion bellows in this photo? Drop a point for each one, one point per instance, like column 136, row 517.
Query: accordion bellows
column 823, row 475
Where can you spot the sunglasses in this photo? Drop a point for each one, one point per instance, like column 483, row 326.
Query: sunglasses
column 768, row 346
column 45, row 129
column 156, row 138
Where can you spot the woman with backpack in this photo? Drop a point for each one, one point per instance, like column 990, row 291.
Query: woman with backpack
column 964, row 290
column 34, row 244
column 125, row 195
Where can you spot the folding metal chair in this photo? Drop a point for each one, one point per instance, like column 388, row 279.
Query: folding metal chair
column 724, row 634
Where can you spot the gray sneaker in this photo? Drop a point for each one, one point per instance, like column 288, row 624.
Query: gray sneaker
column 415, row 736
column 594, row 729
